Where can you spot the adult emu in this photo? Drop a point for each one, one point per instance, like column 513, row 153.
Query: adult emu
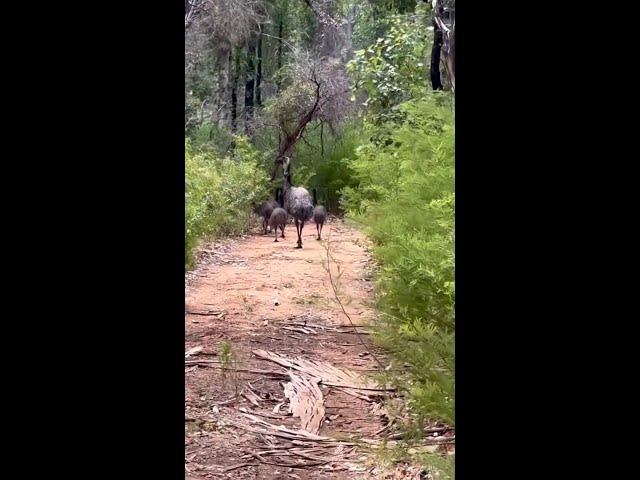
column 295, row 200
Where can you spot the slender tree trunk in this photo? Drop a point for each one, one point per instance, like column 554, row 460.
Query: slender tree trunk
column 436, row 49
column 280, row 31
column 222, row 104
column 259, row 70
column 234, row 92
column 249, row 86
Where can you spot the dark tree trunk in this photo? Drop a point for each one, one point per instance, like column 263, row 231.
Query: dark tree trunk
column 436, row 81
column 280, row 31
column 259, row 70
column 234, row 92
column 249, row 85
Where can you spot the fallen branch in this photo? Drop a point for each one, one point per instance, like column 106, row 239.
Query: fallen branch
column 306, row 331
column 235, row 467
column 252, row 397
column 286, row 465
column 228, row 402
column 193, row 351
column 208, row 313
column 306, row 324
column 215, row 363
column 265, row 415
column 355, row 332
column 358, row 387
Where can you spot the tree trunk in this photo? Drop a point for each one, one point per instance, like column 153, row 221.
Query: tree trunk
column 451, row 57
column 249, row 85
column 436, row 49
column 259, row 70
column 234, row 92
column 280, row 31
column 222, row 104
column 445, row 19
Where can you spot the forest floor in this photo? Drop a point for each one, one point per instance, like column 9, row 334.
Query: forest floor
column 260, row 316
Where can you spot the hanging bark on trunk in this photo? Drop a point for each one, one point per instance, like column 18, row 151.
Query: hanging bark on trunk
column 259, row 69
column 444, row 15
column 249, row 87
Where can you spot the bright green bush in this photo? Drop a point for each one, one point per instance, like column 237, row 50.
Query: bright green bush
column 405, row 197
column 219, row 192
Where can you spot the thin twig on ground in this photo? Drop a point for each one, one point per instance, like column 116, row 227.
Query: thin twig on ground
column 235, row 467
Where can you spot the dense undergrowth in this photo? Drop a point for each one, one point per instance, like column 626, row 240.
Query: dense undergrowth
column 405, row 200
column 219, row 191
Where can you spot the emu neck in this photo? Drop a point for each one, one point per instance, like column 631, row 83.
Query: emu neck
column 287, row 183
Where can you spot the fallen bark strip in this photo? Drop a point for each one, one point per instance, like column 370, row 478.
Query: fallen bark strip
column 305, row 402
column 298, row 433
column 297, row 437
column 327, row 373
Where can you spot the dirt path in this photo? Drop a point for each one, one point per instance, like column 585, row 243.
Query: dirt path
column 231, row 311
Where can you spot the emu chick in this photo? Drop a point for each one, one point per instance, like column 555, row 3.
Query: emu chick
column 319, row 217
column 264, row 210
column 277, row 220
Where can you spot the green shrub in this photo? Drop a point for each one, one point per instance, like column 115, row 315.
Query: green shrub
column 324, row 164
column 219, row 192
column 405, row 198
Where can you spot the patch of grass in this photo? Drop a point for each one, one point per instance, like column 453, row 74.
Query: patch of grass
column 313, row 299
column 228, row 365
column 438, row 466
column 247, row 305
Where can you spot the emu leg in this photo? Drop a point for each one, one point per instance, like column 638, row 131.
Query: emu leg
column 299, row 231
column 282, row 229
column 300, row 236
column 276, row 234
column 318, row 230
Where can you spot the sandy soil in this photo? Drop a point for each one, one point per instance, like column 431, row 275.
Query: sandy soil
column 253, row 293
